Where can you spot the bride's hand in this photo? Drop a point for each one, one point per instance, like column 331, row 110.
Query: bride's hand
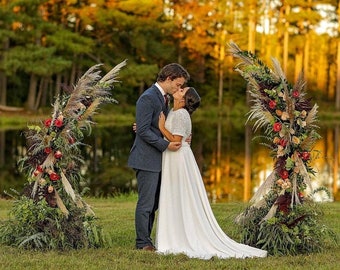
column 161, row 120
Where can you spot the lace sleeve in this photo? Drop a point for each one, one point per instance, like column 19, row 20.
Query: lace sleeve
column 181, row 123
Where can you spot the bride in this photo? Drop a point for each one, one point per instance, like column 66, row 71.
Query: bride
column 186, row 223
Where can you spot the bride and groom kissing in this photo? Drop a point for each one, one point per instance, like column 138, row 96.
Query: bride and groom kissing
column 168, row 178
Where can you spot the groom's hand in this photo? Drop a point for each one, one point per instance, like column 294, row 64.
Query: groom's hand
column 174, row 146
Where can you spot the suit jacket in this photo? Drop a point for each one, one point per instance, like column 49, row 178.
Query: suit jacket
column 146, row 151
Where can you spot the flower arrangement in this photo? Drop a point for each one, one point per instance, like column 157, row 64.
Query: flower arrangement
column 280, row 217
column 50, row 213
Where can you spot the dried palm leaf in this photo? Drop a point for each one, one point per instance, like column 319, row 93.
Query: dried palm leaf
column 60, row 203
column 264, row 188
column 67, row 186
column 312, row 116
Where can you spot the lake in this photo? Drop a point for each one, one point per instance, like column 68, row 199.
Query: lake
column 233, row 164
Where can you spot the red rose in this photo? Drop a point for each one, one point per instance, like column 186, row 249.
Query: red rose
column 296, row 93
column 54, row 176
column 284, row 174
column 58, row 154
column 48, row 150
column 38, row 170
column 277, row 127
column 283, row 142
column 58, row 123
column 272, row 104
column 305, row 155
column 48, row 122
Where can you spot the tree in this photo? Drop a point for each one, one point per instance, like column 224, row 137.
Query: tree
column 36, row 47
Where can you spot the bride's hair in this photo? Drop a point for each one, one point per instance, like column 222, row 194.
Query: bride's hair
column 192, row 100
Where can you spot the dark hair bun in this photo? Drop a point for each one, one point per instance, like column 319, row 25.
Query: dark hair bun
column 192, row 100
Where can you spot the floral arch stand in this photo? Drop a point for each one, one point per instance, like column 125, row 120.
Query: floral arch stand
column 282, row 216
column 50, row 213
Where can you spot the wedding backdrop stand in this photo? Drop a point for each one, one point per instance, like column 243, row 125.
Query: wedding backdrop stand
column 50, row 212
column 282, row 216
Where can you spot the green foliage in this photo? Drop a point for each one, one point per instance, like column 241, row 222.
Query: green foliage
column 301, row 231
column 36, row 225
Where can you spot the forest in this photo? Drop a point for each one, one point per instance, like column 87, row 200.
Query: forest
column 46, row 45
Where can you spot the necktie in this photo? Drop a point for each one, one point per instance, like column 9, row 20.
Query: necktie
column 166, row 98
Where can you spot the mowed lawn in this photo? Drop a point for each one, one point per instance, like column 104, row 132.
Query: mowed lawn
column 116, row 215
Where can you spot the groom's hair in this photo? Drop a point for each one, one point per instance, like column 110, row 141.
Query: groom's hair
column 173, row 71
column 192, row 100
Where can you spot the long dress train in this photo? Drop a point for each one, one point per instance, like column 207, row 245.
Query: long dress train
column 186, row 223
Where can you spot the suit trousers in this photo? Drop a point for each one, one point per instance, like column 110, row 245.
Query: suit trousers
column 148, row 197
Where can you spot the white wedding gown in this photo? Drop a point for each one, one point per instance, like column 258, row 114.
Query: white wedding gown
column 186, row 223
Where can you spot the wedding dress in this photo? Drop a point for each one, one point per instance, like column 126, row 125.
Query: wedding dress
column 186, row 223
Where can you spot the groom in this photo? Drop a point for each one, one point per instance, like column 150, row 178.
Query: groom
column 146, row 152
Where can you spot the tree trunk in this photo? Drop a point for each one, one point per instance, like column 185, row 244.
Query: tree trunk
column 306, row 57
column 298, row 63
column 58, row 85
column 2, row 148
column 286, row 41
column 31, row 99
column 247, row 159
column 252, row 27
column 40, row 94
column 320, row 71
column 336, row 160
column 3, row 78
column 3, row 88
column 247, row 165
column 73, row 75
column 337, row 93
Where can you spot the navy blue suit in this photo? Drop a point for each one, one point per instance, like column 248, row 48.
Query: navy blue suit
column 146, row 159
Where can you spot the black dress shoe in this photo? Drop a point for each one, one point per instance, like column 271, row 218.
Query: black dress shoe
column 148, row 248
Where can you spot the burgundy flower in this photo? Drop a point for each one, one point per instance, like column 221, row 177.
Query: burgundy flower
column 58, row 154
column 272, row 104
column 296, row 94
column 71, row 140
column 284, row 174
column 283, row 142
column 48, row 150
column 54, row 176
column 305, row 155
column 277, row 127
column 39, row 168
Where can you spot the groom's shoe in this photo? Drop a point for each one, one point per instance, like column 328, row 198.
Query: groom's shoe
column 148, row 248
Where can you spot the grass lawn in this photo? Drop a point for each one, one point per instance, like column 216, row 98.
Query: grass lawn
column 116, row 215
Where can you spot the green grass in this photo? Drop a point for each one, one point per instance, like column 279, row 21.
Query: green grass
column 116, row 215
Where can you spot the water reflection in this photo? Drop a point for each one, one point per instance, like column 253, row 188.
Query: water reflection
column 232, row 164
